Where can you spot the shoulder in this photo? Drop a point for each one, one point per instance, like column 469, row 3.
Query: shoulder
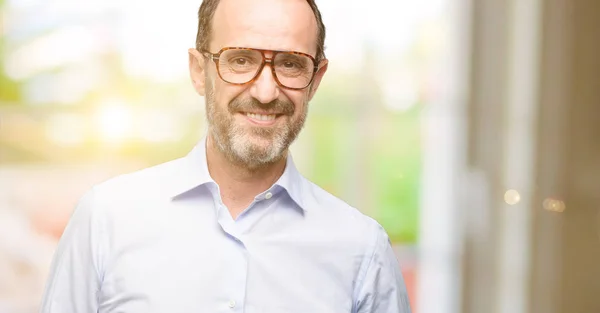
column 143, row 183
column 342, row 217
column 126, row 192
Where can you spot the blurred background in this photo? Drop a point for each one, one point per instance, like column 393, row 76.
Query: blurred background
column 470, row 129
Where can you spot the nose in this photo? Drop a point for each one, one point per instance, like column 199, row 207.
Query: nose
column 265, row 88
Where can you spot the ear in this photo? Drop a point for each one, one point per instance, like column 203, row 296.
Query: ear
column 197, row 66
column 317, row 80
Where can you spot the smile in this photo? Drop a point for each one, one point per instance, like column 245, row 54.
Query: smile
column 262, row 120
column 261, row 117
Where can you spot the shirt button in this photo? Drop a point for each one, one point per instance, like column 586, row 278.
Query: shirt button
column 231, row 304
column 268, row 195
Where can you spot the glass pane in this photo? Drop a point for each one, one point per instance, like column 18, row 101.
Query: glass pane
column 293, row 65
column 239, row 65
column 293, row 70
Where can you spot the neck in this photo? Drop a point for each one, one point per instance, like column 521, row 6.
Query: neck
column 237, row 183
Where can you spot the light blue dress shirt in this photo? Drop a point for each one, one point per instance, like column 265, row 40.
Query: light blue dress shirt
column 161, row 240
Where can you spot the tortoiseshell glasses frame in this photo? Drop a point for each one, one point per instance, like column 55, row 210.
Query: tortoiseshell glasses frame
column 215, row 57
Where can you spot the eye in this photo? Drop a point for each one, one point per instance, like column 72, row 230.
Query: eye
column 289, row 64
column 240, row 61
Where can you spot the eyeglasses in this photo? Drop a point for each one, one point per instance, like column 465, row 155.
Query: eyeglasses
column 239, row 66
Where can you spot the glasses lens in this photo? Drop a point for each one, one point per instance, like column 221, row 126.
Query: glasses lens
column 239, row 66
column 293, row 70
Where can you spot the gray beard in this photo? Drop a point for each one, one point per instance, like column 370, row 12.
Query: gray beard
column 232, row 140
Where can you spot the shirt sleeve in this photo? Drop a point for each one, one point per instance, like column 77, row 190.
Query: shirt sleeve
column 74, row 277
column 382, row 289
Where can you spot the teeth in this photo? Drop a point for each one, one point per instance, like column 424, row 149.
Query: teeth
column 261, row 117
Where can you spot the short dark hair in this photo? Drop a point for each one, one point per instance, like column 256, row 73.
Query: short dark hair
column 207, row 12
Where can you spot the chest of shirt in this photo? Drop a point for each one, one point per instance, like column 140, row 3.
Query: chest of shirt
column 189, row 263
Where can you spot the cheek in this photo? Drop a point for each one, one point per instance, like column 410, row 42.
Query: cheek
column 298, row 98
column 224, row 93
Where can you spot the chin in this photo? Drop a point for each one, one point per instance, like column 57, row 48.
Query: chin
column 257, row 151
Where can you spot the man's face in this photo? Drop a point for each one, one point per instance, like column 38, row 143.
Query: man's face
column 254, row 124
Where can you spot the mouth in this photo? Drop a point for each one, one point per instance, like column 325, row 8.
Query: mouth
column 261, row 119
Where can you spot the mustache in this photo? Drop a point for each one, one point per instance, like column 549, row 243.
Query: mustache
column 276, row 106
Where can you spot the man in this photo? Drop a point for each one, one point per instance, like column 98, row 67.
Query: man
column 233, row 226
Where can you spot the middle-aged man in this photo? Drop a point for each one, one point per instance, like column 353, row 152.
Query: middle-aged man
column 232, row 226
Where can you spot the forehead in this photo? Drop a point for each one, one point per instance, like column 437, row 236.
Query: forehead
column 265, row 24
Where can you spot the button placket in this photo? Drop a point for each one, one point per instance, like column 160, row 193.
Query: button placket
column 237, row 276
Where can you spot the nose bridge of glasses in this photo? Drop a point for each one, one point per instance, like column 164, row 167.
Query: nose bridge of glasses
column 269, row 71
column 267, row 62
column 270, row 61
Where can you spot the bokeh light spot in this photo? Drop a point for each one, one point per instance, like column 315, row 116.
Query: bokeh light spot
column 512, row 197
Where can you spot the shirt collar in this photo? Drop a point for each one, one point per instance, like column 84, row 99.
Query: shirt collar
column 193, row 172
column 292, row 181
